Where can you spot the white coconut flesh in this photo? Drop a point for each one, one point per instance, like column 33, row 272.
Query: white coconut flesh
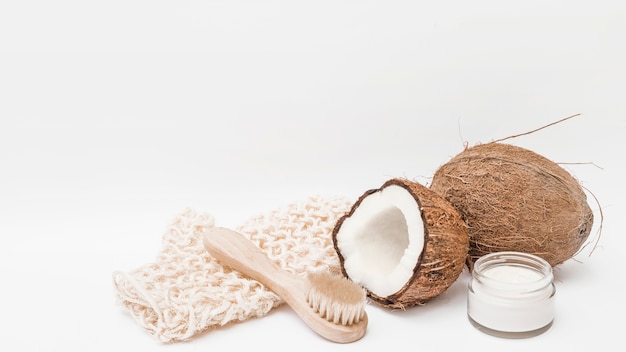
column 382, row 240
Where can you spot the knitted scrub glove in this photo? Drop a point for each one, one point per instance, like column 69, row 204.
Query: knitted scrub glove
column 186, row 291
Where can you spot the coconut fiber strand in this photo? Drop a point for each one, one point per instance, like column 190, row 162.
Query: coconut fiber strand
column 185, row 291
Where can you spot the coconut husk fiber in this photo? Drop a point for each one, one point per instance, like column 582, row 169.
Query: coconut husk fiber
column 513, row 199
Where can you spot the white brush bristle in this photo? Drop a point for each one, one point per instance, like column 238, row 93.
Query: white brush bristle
column 336, row 298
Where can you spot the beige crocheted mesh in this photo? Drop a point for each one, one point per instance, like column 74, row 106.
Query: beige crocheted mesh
column 186, row 291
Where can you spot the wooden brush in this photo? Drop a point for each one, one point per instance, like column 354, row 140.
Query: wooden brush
column 330, row 304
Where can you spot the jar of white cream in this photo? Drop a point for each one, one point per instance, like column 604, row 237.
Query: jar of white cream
column 511, row 295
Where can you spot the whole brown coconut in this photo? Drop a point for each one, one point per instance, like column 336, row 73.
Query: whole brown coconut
column 513, row 199
column 403, row 243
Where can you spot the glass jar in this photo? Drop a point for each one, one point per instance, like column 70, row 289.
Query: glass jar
column 511, row 294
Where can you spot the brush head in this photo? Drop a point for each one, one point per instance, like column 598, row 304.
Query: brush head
column 336, row 298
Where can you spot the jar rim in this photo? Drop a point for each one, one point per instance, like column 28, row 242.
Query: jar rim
column 517, row 259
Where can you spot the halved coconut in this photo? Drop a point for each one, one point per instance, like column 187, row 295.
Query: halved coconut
column 403, row 243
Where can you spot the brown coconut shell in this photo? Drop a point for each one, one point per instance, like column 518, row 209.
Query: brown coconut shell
column 513, row 199
column 442, row 260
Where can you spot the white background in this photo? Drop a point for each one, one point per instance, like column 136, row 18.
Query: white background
column 117, row 115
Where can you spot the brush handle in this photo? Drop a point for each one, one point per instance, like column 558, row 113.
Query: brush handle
column 235, row 251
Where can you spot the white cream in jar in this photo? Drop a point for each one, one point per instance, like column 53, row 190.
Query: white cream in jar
column 511, row 295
